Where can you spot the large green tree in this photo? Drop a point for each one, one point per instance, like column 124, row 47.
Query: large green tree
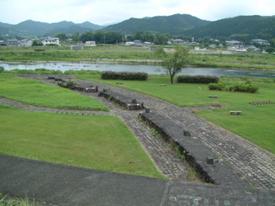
column 175, row 61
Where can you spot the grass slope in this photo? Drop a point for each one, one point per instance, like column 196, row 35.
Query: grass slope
column 37, row 93
column 98, row 142
column 256, row 124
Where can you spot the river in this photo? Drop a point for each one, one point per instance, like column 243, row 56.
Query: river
column 150, row 69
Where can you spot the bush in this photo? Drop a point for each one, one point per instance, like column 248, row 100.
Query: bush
column 240, row 87
column 217, row 86
column 124, row 76
column 2, row 69
column 244, row 87
column 197, row 79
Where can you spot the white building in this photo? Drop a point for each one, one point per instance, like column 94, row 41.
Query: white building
column 25, row 43
column 177, row 41
column 234, row 43
column 261, row 42
column 3, row 43
column 90, row 43
column 51, row 41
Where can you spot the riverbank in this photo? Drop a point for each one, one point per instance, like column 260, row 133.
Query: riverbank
column 133, row 55
column 60, row 67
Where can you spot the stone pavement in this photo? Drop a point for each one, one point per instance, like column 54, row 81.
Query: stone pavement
column 249, row 162
column 52, row 184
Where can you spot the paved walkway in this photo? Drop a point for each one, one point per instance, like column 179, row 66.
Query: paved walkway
column 60, row 185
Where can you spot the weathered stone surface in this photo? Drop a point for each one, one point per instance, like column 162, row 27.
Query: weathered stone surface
column 188, row 194
column 196, row 153
column 123, row 100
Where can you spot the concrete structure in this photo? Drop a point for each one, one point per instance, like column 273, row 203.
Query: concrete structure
column 51, row 41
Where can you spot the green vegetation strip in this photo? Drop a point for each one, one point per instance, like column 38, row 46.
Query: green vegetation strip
column 97, row 142
column 255, row 124
column 5, row 201
column 40, row 94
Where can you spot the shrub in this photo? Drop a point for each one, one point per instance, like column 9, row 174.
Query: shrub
column 244, row 87
column 197, row 79
column 2, row 69
column 124, row 76
column 217, row 86
column 239, row 87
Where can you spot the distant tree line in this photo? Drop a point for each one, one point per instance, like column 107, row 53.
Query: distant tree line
column 155, row 38
column 106, row 37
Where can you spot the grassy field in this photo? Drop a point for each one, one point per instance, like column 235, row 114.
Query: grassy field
column 256, row 124
column 116, row 53
column 98, row 142
column 66, row 54
column 246, row 61
column 37, row 93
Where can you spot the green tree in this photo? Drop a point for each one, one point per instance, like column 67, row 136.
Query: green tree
column 37, row 43
column 61, row 36
column 175, row 61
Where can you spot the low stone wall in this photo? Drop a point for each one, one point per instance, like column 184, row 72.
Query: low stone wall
column 210, row 167
column 122, row 100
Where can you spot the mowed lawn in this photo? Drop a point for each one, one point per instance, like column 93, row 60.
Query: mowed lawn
column 97, row 142
column 256, row 124
column 38, row 93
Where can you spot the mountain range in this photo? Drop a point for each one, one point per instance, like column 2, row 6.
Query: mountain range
column 35, row 28
column 177, row 25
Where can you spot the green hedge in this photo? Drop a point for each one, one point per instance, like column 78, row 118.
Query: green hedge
column 243, row 87
column 197, row 79
column 124, row 76
column 240, row 87
column 217, row 86
column 2, row 69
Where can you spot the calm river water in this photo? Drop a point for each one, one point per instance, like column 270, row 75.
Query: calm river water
column 150, row 69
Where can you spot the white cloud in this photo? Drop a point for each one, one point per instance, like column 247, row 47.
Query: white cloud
column 109, row 11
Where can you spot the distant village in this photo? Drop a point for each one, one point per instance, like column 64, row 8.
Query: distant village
column 212, row 45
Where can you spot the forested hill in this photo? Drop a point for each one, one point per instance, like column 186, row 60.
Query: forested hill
column 175, row 24
column 241, row 27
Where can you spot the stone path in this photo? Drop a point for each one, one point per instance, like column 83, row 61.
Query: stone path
column 32, row 108
column 165, row 157
column 251, row 163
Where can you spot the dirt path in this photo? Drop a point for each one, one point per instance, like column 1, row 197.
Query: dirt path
column 32, row 108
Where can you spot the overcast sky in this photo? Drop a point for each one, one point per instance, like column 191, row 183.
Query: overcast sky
column 111, row 11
